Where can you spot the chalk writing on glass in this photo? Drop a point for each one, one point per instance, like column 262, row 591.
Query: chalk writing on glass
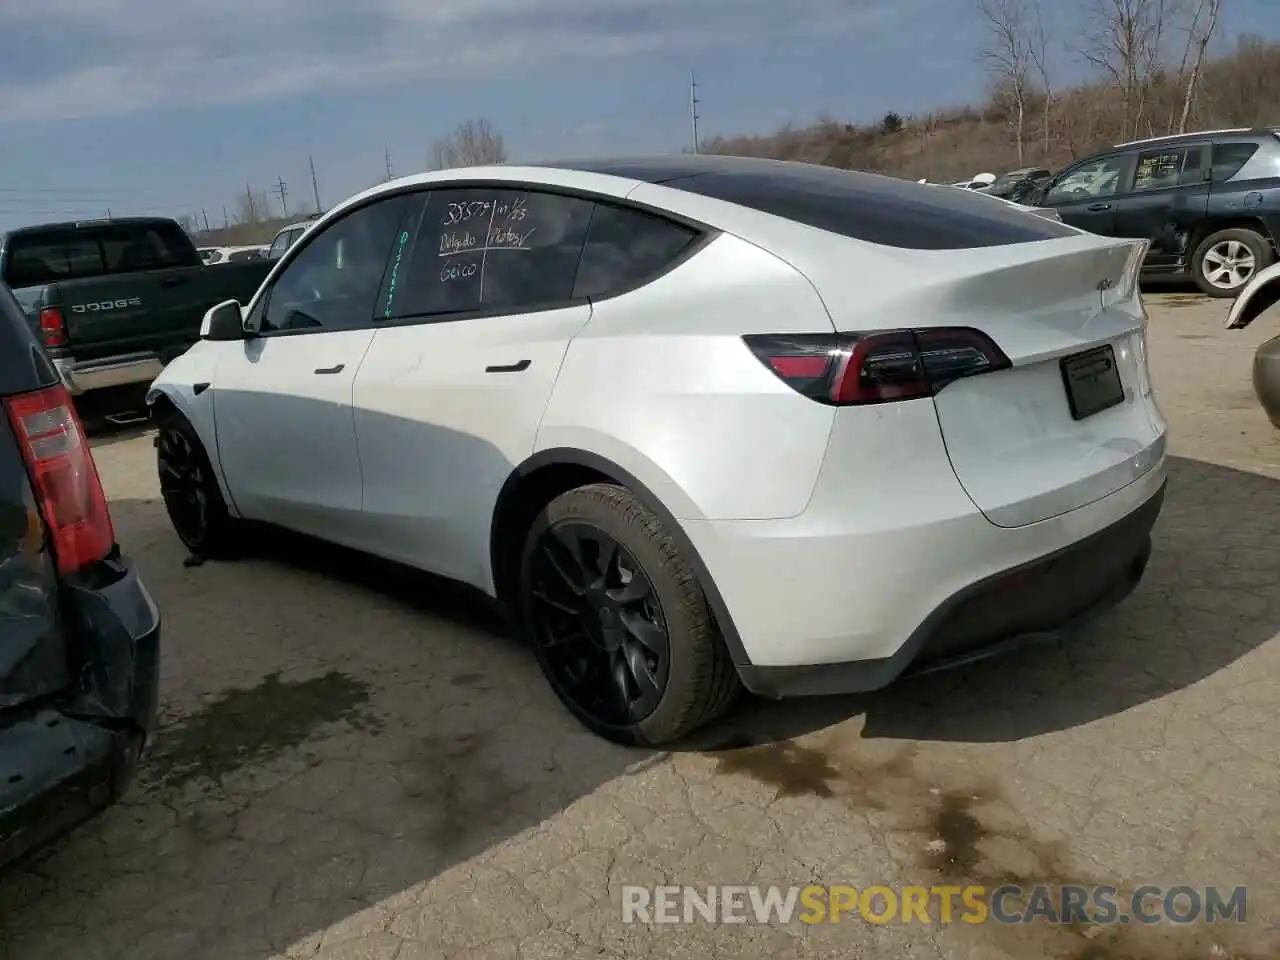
column 458, row 271
column 460, row 241
column 503, row 237
column 395, row 273
column 499, row 237
column 456, row 213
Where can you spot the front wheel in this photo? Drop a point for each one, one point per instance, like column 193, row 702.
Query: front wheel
column 190, row 490
column 618, row 620
column 1227, row 260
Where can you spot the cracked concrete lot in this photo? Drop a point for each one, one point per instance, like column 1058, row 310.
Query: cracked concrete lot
column 358, row 764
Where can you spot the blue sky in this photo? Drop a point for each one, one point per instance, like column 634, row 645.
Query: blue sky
column 168, row 106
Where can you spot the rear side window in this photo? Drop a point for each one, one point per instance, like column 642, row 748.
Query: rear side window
column 49, row 257
column 486, row 249
column 625, row 248
column 1228, row 158
column 876, row 209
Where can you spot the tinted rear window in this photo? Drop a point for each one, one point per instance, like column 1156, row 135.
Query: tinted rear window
column 37, row 258
column 1228, row 158
column 883, row 210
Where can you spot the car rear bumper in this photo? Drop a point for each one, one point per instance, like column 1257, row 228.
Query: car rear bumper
column 1045, row 599
column 828, row 605
column 85, row 375
column 66, row 761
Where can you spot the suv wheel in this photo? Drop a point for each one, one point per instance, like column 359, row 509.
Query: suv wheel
column 618, row 620
column 1225, row 261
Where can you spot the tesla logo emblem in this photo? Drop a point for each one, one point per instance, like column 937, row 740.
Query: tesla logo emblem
column 1106, row 283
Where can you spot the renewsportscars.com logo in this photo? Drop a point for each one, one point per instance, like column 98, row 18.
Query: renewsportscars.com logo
column 1008, row 904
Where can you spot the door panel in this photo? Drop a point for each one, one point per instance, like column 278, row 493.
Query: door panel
column 286, row 436
column 479, row 308
column 1084, row 195
column 444, row 413
column 1169, row 195
column 282, row 398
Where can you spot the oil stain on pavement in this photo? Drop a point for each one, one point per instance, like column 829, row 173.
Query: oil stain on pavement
column 250, row 726
column 966, row 835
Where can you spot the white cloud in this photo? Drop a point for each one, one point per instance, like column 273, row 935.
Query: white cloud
column 124, row 56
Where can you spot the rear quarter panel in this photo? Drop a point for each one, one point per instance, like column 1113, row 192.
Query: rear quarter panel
column 1238, row 200
column 661, row 383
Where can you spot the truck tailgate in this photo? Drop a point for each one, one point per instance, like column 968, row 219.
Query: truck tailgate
column 105, row 316
column 157, row 311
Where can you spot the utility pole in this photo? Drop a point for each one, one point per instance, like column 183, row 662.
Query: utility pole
column 205, row 213
column 108, row 213
column 253, row 212
column 282, row 191
column 693, row 109
column 315, row 184
column 226, row 220
column 387, row 157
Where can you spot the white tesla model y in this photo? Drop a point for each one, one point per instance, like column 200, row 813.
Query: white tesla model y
column 698, row 422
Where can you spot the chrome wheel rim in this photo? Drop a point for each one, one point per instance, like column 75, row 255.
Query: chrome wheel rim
column 1229, row 264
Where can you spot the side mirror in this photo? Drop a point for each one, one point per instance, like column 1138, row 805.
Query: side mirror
column 223, row 322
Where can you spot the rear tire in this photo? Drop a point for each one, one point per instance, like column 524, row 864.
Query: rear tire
column 618, row 620
column 1227, row 260
column 190, row 491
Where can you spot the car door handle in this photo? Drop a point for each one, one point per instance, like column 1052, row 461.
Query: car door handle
column 1099, row 207
column 508, row 367
column 337, row 368
column 173, row 281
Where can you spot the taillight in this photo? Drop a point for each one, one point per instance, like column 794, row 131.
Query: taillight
column 63, row 475
column 879, row 367
column 52, row 327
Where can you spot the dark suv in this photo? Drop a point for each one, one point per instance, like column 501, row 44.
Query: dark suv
column 79, row 634
column 1208, row 202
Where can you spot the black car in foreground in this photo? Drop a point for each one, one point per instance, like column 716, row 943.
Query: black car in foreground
column 79, row 634
column 1209, row 202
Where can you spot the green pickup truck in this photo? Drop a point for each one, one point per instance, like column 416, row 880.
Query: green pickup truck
column 113, row 301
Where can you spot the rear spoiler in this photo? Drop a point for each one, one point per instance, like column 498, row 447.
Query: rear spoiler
column 1259, row 294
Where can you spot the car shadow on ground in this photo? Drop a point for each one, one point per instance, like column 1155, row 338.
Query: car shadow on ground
column 1210, row 595
column 338, row 732
column 335, row 732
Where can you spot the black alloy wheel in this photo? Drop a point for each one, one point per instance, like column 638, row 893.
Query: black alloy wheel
column 599, row 624
column 184, row 485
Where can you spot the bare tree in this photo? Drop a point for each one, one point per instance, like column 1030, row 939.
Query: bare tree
column 1009, row 55
column 1038, row 52
column 1204, row 23
column 253, row 207
column 472, row 143
column 1125, row 40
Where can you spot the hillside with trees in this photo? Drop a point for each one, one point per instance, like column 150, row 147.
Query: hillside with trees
column 1153, row 74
